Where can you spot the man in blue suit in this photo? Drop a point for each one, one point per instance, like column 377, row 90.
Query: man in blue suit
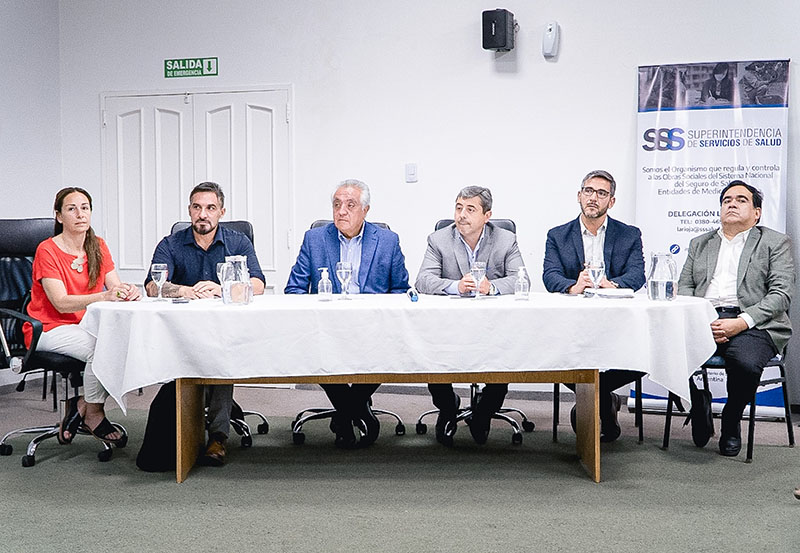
column 380, row 267
column 594, row 235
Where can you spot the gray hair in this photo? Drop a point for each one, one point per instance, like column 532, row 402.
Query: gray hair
column 483, row 194
column 353, row 183
column 600, row 174
column 209, row 187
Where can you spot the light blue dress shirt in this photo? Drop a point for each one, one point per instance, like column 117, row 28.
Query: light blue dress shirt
column 350, row 250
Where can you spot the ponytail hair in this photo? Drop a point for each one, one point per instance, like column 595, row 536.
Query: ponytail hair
column 94, row 257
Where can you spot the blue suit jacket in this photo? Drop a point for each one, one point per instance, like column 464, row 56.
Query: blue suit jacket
column 382, row 271
column 622, row 253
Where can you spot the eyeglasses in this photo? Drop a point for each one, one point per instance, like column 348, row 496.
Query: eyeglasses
column 588, row 191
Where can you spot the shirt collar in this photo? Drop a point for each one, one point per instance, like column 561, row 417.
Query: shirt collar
column 477, row 244
column 585, row 230
column 188, row 237
column 358, row 237
column 741, row 237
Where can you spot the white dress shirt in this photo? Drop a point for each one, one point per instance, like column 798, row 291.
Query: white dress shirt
column 593, row 244
column 722, row 288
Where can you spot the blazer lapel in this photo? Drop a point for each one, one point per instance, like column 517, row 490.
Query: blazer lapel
column 608, row 245
column 577, row 242
column 461, row 255
column 332, row 253
column 747, row 252
column 369, row 243
column 486, row 246
column 712, row 254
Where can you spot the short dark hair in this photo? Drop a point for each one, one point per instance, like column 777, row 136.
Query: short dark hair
column 483, row 194
column 209, row 186
column 758, row 197
column 600, row 174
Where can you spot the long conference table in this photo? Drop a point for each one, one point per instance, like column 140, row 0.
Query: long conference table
column 390, row 339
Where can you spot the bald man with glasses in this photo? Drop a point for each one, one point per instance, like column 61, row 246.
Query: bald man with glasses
column 596, row 236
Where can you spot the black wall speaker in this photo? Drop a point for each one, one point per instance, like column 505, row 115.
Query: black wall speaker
column 498, row 30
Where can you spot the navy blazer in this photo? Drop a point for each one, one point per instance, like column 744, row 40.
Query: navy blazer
column 622, row 254
column 382, row 270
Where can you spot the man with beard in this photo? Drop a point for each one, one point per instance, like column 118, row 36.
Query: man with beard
column 191, row 256
column 596, row 236
column 446, row 270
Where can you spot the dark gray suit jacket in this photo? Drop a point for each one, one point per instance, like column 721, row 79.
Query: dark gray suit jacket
column 765, row 278
column 446, row 260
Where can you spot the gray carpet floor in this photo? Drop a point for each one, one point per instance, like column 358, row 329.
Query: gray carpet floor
column 406, row 493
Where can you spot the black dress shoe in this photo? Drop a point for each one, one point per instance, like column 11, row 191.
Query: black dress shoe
column 479, row 424
column 345, row 436
column 730, row 446
column 446, row 423
column 573, row 418
column 368, row 424
column 609, row 425
column 700, row 415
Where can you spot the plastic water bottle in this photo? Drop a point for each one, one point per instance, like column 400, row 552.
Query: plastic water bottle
column 522, row 287
column 324, row 287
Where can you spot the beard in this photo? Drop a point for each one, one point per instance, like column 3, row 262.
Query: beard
column 203, row 230
column 600, row 212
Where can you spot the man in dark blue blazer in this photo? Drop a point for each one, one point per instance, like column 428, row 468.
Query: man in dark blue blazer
column 594, row 235
column 379, row 266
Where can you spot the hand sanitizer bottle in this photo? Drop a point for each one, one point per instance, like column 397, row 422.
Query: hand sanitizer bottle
column 324, row 287
column 522, row 287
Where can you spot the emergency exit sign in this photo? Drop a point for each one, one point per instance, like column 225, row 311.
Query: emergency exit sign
column 190, row 67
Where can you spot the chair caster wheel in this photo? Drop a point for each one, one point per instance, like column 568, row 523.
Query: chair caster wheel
column 516, row 439
column 400, row 429
column 422, row 428
column 263, row 428
column 528, row 426
column 105, row 455
column 6, row 449
column 298, row 438
column 123, row 441
column 28, row 460
column 247, row 441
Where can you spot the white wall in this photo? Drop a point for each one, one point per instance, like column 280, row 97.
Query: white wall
column 378, row 83
column 30, row 110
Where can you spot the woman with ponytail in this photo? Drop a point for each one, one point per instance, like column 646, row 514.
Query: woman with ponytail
column 71, row 270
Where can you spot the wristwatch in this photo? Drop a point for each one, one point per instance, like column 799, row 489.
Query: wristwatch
column 614, row 284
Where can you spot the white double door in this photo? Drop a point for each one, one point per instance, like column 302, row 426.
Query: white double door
column 157, row 147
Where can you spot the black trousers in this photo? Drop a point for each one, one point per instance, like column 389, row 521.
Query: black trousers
column 492, row 397
column 745, row 356
column 609, row 381
column 349, row 399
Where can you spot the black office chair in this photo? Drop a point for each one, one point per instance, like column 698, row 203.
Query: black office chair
column 318, row 413
column 465, row 413
column 238, row 415
column 18, row 241
column 718, row 362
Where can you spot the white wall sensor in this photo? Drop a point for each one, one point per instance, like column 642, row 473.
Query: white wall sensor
column 550, row 40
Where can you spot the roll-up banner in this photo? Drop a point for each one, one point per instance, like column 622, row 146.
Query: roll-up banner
column 700, row 126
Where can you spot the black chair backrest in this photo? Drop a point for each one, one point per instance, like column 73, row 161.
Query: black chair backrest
column 245, row 227
column 21, row 237
column 506, row 224
column 322, row 222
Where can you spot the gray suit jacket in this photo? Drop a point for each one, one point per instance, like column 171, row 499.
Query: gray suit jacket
column 765, row 278
column 446, row 260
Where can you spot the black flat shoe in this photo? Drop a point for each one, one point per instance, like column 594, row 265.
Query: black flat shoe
column 730, row 446
column 369, row 425
column 345, row 436
column 71, row 422
column 446, row 425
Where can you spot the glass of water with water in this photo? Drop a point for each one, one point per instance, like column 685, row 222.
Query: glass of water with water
column 478, row 271
column 158, row 272
column 597, row 270
column 344, row 272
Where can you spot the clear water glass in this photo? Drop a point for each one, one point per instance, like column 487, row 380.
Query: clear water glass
column 478, row 271
column 344, row 272
column 597, row 270
column 158, row 272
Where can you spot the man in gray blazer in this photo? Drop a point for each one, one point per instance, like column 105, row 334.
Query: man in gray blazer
column 446, row 270
column 747, row 272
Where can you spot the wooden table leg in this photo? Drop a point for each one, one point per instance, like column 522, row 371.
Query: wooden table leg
column 587, row 397
column 190, row 430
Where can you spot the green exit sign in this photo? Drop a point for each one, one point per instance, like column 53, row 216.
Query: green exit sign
column 190, row 67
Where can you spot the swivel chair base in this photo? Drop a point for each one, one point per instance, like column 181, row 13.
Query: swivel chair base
column 306, row 415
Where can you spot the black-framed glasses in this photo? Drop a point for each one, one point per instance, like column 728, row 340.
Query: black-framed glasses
column 588, row 191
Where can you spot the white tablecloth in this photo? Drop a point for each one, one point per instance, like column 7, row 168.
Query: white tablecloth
column 142, row 343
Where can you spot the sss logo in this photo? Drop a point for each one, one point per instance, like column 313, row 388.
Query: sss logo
column 674, row 249
column 663, row 139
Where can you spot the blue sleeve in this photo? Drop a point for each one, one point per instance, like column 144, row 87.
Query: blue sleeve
column 300, row 281
column 399, row 276
column 633, row 275
column 553, row 275
column 163, row 254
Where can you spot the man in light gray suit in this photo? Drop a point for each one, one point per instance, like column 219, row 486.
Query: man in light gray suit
column 747, row 272
column 446, row 270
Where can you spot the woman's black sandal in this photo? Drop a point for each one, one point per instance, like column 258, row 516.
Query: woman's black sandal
column 71, row 422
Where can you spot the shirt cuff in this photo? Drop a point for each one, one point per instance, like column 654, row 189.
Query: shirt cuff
column 748, row 319
column 452, row 289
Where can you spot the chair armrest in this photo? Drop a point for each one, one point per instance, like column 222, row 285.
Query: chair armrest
column 35, row 324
